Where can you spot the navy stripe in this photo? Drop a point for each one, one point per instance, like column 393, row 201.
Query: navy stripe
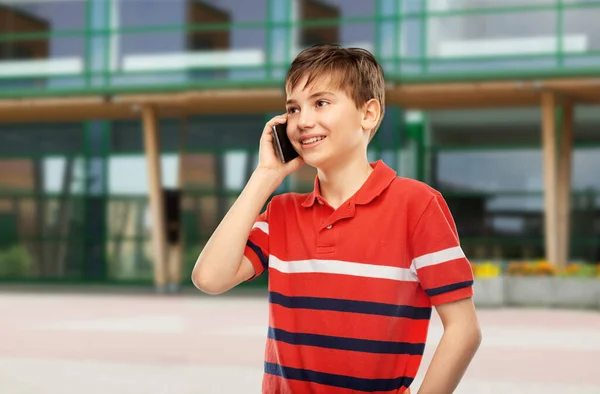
column 329, row 379
column 448, row 288
column 341, row 343
column 263, row 259
column 333, row 304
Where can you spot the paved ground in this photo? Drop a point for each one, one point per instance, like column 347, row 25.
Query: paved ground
column 194, row 344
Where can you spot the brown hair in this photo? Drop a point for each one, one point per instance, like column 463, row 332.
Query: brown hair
column 353, row 70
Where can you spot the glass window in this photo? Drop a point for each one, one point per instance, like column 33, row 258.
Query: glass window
column 48, row 139
column 207, row 215
column 486, row 133
column 487, row 35
column 17, row 175
column 196, row 53
column 219, row 132
column 582, row 34
column 490, row 171
column 235, row 170
column 581, row 26
column 24, row 16
column 64, row 174
column 348, row 34
column 43, row 17
column 140, row 13
column 496, row 198
column 128, row 136
column 198, row 133
column 128, row 175
column 586, row 163
column 448, row 5
column 41, row 55
column 199, row 171
column 515, row 170
column 127, row 218
column 229, row 171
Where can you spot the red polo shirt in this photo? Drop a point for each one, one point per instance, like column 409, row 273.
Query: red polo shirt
column 351, row 289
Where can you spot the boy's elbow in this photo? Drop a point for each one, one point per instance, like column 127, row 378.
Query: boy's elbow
column 469, row 334
column 206, row 282
column 478, row 336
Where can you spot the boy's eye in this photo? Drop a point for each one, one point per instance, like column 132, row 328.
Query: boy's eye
column 292, row 110
column 322, row 103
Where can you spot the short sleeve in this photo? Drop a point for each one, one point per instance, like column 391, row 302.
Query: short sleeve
column 437, row 258
column 257, row 246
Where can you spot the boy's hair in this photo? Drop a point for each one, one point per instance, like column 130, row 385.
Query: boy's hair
column 353, row 70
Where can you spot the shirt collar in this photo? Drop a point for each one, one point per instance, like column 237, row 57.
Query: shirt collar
column 376, row 183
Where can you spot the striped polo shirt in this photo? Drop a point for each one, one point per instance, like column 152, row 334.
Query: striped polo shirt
column 351, row 289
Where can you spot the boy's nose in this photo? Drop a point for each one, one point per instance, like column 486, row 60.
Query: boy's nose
column 305, row 121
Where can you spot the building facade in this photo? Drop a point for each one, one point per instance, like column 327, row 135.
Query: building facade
column 74, row 189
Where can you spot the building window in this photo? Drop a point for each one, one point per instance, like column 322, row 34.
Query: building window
column 15, row 21
column 200, row 12
column 316, row 10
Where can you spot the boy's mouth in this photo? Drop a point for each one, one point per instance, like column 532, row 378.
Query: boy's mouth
column 312, row 140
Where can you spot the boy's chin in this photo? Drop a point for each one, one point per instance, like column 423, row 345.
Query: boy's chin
column 313, row 160
column 318, row 160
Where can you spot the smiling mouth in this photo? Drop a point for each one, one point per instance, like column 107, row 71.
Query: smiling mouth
column 312, row 140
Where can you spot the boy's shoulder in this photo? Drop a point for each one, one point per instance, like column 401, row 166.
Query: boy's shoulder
column 411, row 197
column 412, row 189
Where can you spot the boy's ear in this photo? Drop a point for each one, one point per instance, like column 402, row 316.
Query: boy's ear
column 372, row 112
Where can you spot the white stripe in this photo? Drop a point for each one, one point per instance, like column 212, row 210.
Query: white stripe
column 27, row 68
column 342, row 267
column 264, row 226
column 203, row 59
column 438, row 257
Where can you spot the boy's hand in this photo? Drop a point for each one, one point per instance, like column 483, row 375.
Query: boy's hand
column 267, row 158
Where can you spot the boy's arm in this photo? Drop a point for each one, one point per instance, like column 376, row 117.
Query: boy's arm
column 460, row 341
column 445, row 274
column 222, row 264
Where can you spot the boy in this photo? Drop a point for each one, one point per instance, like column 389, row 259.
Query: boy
column 356, row 265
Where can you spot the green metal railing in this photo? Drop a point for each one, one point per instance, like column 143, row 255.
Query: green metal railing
column 423, row 63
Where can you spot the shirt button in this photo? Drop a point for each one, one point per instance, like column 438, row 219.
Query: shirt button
column 329, row 227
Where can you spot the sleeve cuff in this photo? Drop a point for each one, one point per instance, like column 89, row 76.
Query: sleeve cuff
column 451, row 296
column 257, row 262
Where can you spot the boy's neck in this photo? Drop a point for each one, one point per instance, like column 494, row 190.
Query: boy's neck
column 339, row 183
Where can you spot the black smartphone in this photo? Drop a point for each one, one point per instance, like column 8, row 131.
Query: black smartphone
column 282, row 144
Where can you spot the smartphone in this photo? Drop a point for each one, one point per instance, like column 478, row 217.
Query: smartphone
column 282, row 144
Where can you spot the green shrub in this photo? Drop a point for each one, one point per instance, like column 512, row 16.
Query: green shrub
column 15, row 262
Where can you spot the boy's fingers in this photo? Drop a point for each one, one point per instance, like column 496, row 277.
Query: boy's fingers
column 279, row 119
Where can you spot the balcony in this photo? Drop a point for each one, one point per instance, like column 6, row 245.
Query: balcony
column 219, row 48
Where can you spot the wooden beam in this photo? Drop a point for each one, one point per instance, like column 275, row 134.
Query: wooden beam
column 510, row 93
column 156, row 199
column 550, row 169
column 564, row 184
column 432, row 103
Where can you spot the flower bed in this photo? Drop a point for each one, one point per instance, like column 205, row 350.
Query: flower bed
column 536, row 283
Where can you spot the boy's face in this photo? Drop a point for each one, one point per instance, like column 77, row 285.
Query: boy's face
column 324, row 124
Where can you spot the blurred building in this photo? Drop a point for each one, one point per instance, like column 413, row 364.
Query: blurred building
column 92, row 91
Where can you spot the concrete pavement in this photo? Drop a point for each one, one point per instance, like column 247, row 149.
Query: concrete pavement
column 77, row 343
